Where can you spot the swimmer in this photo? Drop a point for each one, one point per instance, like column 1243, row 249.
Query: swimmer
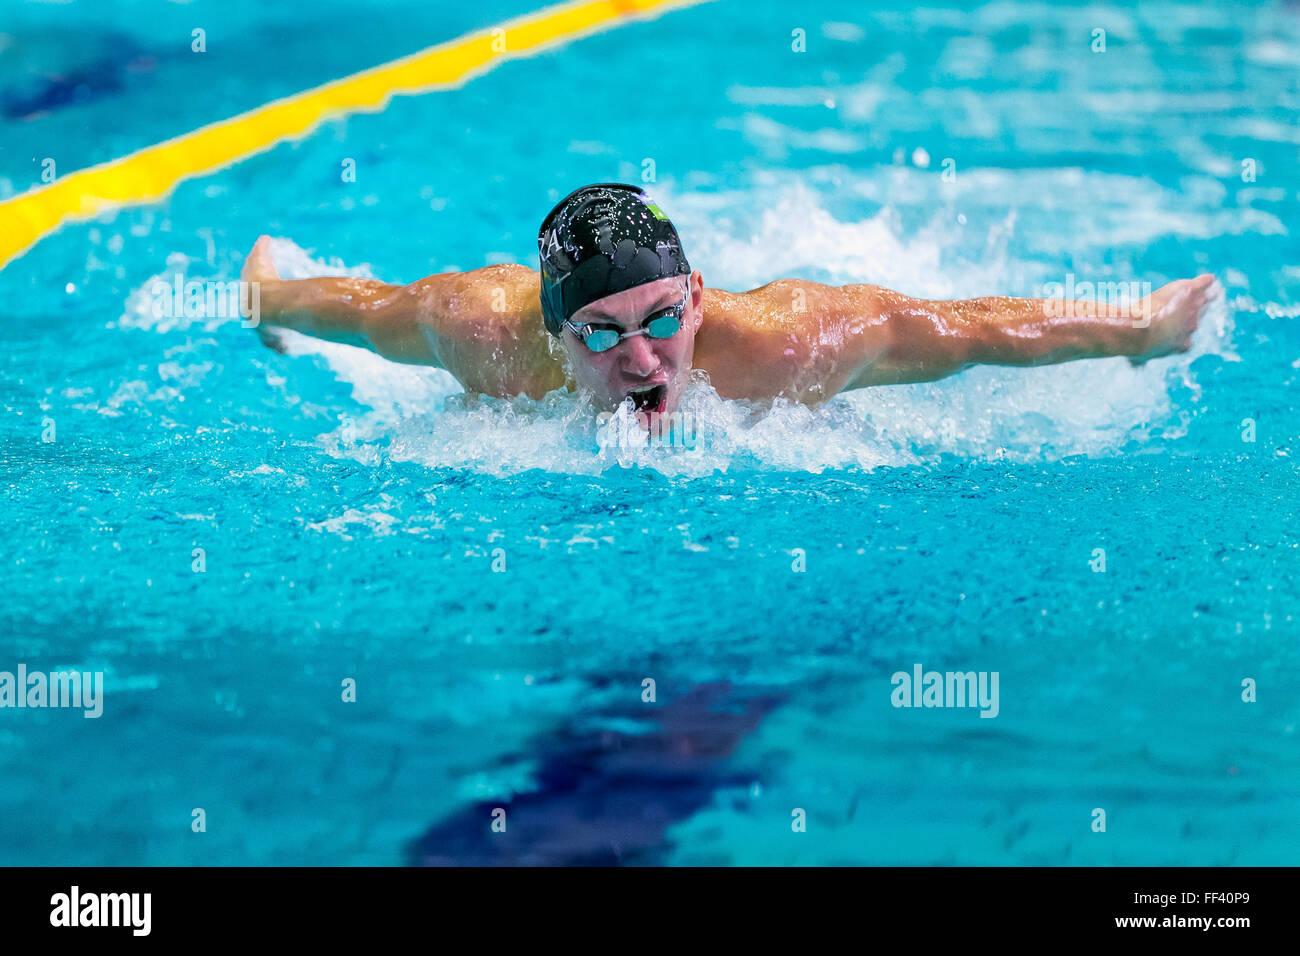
column 619, row 299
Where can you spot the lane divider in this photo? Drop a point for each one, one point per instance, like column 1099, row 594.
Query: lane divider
column 150, row 174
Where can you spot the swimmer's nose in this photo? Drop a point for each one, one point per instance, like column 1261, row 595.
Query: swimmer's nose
column 639, row 357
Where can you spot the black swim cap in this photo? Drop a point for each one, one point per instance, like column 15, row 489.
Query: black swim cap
column 599, row 240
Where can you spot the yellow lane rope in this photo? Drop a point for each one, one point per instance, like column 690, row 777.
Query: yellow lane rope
column 150, row 174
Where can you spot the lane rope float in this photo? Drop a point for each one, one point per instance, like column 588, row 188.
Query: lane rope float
column 150, row 174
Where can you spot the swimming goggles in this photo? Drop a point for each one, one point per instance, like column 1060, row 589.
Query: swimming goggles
column 602, row 338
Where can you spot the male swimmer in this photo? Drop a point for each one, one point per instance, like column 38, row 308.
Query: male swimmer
column 617, row 294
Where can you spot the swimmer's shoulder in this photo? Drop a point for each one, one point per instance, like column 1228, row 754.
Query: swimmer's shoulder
column 756, row 344
column 791, row 338
column 489, row 329
column 781, row 307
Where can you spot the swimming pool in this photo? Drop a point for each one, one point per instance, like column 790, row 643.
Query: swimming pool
column 350, row 513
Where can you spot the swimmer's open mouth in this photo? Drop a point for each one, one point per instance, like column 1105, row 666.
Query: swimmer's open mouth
column 652, row 398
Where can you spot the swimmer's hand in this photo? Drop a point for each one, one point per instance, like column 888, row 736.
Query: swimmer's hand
column 1168, row 317
column 259, row 267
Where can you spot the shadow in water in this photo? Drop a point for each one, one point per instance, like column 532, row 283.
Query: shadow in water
column 604, row 797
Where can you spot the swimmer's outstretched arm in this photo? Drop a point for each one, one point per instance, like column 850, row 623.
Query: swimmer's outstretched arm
column 483, row 326
column 805, row 341
column 904, row 339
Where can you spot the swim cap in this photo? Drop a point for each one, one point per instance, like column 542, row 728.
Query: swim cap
column 602, row 239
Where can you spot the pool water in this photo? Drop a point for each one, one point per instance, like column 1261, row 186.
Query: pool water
column 499, row 590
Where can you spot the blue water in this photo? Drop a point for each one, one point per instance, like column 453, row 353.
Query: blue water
column 350, row 512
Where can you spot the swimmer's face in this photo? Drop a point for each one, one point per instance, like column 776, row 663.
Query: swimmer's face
column 652, row 372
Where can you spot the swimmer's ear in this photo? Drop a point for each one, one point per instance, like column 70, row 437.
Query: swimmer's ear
column 697, row 297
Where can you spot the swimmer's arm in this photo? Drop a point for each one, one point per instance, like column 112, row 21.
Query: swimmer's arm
column 365, row 313
column 482, row 326
column 920, row 340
